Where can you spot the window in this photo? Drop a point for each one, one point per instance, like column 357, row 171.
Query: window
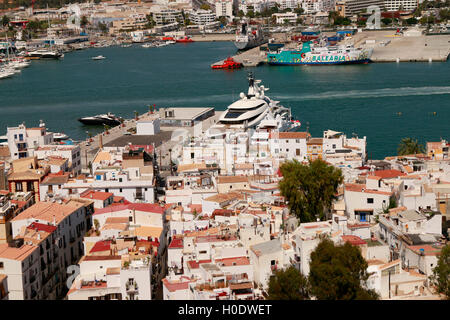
column 369, row 200
column 18, row 186
column 130, row 218
column 106, row 190
column 297, row 140
column 120, row 189
column 192, row 155
column 1, row 265
column 202, row 252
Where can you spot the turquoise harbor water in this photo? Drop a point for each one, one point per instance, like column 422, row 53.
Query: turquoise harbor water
column 364, row 99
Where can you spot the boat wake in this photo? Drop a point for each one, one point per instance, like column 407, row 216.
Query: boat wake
column 376, row 93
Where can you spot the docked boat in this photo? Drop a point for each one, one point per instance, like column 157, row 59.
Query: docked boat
column 185, row 39
column 102, row 119
column 255, row 110
column 98, row 58
column 45, row 54
column 126, row 45
column 228, row 63
column 58, row 136
column 320, row 55
column 248, row 38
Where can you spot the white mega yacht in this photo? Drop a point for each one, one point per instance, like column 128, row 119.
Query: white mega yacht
column 255, row 110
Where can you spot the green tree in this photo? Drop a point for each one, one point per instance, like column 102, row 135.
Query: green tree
column 339, row 273
column 309, row 189
column 5, row 20
column 441, row 273
column 412, row 21
column 409, row 146
column 288, row 284
column 250, row 14
column 84, row 21
column 299, row 10
column 205, row 6
column 103, row 27
column 386, row 21
column 241, row 14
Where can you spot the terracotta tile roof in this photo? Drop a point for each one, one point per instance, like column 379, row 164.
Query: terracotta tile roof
column 354, row 240
column 18, row 254
column 177, row 285
column 176, row 243
column 96, row 195
column 236, row 261
column 145, row 207
column 289, row 135
column 195, row 265
column 100, row 258
column 55, row 179
column 428, row 249
column 387, row 174
column 41, row 227
column 117, row 220
column 315, row 141
column 101, row 246
column 232, row 179
column 222, row 197
column 47, row 211
column 242, row 285
column 356, row 187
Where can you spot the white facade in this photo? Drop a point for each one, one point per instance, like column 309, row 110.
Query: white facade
column 394, row 5
column 202, row 17
column 281, row 18
column 22, row 142
column 70, row 152
column 146, row 126
column 224, row 8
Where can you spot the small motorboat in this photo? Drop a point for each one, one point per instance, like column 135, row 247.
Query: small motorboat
column 102, row 119
column 58, row 136
column 228, row 63
column 185, row 40
column 98, row 58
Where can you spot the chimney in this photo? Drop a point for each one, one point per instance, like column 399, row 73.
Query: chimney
column 54, row 220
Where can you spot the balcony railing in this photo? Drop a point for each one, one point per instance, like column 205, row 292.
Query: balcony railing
column 131, row 287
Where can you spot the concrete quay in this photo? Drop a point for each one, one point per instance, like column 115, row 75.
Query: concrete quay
column 389, row 47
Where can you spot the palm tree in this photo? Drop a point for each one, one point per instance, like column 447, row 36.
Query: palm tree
column 409, row 146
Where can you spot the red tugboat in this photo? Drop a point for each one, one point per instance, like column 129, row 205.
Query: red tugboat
column 228, row 63
column 185, row 40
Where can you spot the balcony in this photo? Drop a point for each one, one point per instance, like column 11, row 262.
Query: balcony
column 72, row 239
column 131, row 287
column 139, row 196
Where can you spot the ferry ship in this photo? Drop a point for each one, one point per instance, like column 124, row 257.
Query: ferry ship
column 255, row 110
column 321, row 55
column 248, row 38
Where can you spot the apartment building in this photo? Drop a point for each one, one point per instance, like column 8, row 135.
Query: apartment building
column 70, row 152
column 23, row 141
